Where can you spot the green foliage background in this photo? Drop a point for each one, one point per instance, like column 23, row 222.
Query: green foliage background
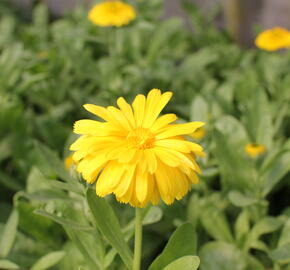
column 237, row 217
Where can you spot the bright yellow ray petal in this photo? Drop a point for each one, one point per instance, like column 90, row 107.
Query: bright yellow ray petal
column 109, row 178
column 139, row 109
column 127, row 111
column 163, row 121
column 154, row 108
column 178, row 129
column 141, row 186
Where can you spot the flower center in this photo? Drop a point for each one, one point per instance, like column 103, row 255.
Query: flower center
column 141, row 138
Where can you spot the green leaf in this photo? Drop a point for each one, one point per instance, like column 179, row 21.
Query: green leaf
column 242, row 225
column 184, row 263
column 9, row 234
column 165, row 31
column 275, row 171
column 199, row 109
column 5, row 264
column 63, row 221
column 152, row 216
column 48, row 260
column 108, row 224
column 281, row 254
column 285, row 234
column 51, row 159
column 85, row 250
column 220, row 230
column 241, row 200
column 221, row 256
column 264, row 226
column 178, row 246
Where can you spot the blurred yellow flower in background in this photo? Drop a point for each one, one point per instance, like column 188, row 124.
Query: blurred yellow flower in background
column 273, row 39
column 112, row 13
column 254, row 150
column 135, row 154
column 198, row 134
column 68, row 162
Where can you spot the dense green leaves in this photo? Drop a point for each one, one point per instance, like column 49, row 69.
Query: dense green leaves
column 50, row 67
column 221, row 256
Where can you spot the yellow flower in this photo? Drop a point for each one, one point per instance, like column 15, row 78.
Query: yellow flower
column 135, row 154
column 68, row 162
column 273, row 39
column 112, row 13
column 198, row 134
column 253, row 149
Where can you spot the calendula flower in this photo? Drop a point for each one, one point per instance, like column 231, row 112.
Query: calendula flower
column 198, row 134
column 68, row 162
column 273, row 39
column 254, row 150
column 135, row 154
column 112, row 13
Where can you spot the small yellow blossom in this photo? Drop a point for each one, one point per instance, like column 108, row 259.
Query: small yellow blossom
column 112, row 13
column 273, row 39
column 68, row 162
column 198, row 134
column 254, row 150
column 135, row 154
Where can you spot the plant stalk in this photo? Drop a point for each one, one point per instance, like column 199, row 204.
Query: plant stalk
column 138, row 239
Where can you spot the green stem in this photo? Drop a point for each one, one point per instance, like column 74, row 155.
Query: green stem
column 138, row 239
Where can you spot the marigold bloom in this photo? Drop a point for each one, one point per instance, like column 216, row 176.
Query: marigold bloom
column 253, row 149
column 135, row 154
column 198, row 134
column 273, row 39
column 112, row 13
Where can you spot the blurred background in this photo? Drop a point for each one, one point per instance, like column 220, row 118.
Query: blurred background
column 239, row 16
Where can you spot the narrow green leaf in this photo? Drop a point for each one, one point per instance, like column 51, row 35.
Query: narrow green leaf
column 184, row 263
column 52, row 160
column 275, row 171
column 108, row 224
column 242, row 225
column 48, row 260
column 221, row 229
column 240, row 200
column 9, row 234
column 181, row 243
column 79, row 243
column 5, row 264
column 64, row 221
column 281, row 254
column 152, row 216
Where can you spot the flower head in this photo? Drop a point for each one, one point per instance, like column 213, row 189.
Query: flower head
column 112, row 13
column 198, row 134
column 273, row 39
column 135, row 154
column 254, row 150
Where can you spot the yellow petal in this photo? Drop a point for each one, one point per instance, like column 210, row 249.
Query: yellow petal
column 141, row 186
column 154, row 107
column 127, row 111
column 139, row 109
column 179, row 129
column 163, row 121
